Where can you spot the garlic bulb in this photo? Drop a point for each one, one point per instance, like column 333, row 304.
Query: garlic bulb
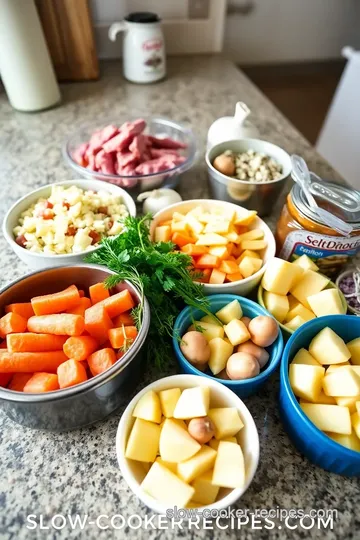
column 158, row 199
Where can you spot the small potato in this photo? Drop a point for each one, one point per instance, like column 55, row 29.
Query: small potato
column 223, row 375
column 195, row 348
column 260, row 354
column 242, row 366
column 225, row 164
column 263, row 330
column 246, row 321
column 201, row 429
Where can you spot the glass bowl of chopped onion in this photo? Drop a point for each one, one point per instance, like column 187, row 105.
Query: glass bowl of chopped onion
column 248, row 172
column 59, row 224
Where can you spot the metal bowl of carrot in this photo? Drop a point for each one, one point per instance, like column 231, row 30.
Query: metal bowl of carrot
column 70, row 353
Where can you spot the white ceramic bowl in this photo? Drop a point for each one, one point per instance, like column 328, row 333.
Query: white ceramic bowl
column 244, row 286
column 39, row 261
column 221, row 396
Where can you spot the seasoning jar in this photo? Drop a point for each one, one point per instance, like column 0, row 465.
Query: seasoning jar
column 300, row 231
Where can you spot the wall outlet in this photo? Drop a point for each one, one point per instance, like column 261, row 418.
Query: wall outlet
column 199, row 9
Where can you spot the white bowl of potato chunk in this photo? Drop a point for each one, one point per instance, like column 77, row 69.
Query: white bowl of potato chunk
column 230, row 245
column 161, row 450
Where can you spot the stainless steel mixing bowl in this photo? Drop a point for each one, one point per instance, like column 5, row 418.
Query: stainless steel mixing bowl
column 259, row 196
column 94, row 399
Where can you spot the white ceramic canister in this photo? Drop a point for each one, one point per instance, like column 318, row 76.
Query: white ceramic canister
column 144, row 48
column 234, row 127
column 25, row 66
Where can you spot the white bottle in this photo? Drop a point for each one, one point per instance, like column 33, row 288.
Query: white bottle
column 25, row 65
column 229, row 128
column 144, row 47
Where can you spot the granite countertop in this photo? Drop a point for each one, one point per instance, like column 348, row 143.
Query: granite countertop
column 77, row 472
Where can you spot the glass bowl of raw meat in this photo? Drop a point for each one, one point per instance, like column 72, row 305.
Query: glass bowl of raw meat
column 137, row 154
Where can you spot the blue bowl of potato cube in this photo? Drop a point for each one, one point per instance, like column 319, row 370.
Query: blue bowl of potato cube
column 241, row 344
column 320, row 392
column 189, row 442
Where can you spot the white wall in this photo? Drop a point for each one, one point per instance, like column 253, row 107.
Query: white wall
column 291, row 30
column 274, row 31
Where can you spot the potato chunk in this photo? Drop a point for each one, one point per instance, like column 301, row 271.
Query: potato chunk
column 166, row 487
column 229, row 468
column 328, row 417
column 226, row 420
column 328, row 348
column 306, row 381
column 343, row 382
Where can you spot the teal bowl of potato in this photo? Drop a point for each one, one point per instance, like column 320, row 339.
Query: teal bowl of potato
column 249, row 308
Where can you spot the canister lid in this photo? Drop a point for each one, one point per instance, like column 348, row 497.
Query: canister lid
column 142, row 17
column 339, row 200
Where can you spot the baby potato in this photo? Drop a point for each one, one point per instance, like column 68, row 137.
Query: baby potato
column 263, row 330
column 242, row 365
column 195, row 348
column 261, row 355
column 246, row 321
column 201, row 429
column 225, row 164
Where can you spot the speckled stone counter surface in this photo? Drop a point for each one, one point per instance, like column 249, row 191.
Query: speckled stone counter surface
column 77, row 473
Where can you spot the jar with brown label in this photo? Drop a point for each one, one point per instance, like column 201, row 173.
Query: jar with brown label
column 300, row 231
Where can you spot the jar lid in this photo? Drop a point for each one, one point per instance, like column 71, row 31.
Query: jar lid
column 341, row 201
column 142, row 17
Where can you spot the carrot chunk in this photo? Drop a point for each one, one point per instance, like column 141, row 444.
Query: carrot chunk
column 181, row 239
column 79, row 348
column 234, row 277
column 101, row 360
column 42, row 382
column 70, row 373
column 30, row 342
column 18, row 381
column 80, row 309
column 124, row 318
column 118, row 303
column 98, row 292
column 24, row 309
column 229, row 267
column 207, row 261
column 98, row 322
column 4, row 379
column 56, row 302
column 12, row 322
column 192, row 249
column 122, row 336
column 206, row 273
column 62, row 324
column 30, row 362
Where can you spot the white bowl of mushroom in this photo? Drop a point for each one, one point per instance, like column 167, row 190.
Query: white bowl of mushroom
column 249, row 172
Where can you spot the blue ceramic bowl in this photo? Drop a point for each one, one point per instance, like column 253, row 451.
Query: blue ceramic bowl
column 307, row 438
column 250, row 309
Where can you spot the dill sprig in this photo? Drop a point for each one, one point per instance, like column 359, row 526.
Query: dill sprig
column 159, row 273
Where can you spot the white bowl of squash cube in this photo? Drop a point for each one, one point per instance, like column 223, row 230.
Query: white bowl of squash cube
column 320, row 392
column 229, row 246
column 67, row 339
column 239, row 343
column 189, row 442
column 296, row 292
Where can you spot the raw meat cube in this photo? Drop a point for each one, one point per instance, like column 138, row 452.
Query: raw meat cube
column 79, row 154
column 105, row 162
column 166, row 143
column 138, row 146
column 159, row 165
column 159, row 152
column 124, row 159
column 102, row 136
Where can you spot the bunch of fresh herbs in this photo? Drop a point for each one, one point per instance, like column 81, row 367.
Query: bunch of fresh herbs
column 160, row 274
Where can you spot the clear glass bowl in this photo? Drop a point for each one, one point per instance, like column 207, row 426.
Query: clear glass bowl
column 159, row 127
